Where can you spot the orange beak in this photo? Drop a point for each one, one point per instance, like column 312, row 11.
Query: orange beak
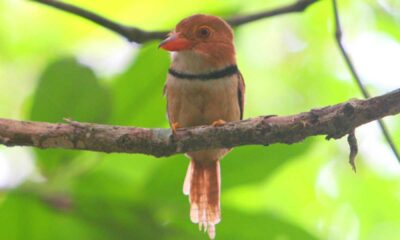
column 175, row 43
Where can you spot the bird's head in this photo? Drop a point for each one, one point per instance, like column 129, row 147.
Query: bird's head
column 206, row 36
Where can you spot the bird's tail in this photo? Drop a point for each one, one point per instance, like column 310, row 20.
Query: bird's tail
column 202, row 184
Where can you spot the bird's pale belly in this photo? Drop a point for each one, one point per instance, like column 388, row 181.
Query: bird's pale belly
column 196, row 102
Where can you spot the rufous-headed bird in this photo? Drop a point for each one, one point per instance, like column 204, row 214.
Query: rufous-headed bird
column 203, row 87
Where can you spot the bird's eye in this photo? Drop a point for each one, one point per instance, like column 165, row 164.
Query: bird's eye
column 203, row 32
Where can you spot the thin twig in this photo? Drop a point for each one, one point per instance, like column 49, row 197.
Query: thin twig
column 356, row 77
column 298, row 6
column 134, row 34
column 334, row 121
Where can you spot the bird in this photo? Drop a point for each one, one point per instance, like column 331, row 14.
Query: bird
column 204, row 87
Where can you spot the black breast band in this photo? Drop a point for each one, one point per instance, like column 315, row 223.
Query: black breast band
column 228, row 71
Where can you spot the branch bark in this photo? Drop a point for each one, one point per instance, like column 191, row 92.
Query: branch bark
column 137, row 35
column 333, row 121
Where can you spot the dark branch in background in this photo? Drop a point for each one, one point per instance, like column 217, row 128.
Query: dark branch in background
column 333, row 121
column 298, row 6
column 356, row 77
column 134, row 34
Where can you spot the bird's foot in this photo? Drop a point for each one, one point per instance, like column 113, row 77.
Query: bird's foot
column 174, row 127
column 218, row 123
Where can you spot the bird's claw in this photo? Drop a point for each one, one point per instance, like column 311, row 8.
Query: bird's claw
column 174, row 127
column 218, row 123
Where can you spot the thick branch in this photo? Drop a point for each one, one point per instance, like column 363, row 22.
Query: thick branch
column 356, row 77
column 134, row 34
column 333, row 121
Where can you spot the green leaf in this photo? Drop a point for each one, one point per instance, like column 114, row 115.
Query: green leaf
column 67, row 89
column 139, row 91
column 251, row 164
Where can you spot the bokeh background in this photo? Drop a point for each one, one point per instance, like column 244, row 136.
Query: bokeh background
column 55, row 65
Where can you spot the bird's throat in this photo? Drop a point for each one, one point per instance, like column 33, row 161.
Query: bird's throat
column 191, row 62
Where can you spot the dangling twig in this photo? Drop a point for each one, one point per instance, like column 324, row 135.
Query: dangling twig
column 352, row 140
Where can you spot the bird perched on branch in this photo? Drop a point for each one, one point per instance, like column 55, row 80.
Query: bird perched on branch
column 203, row 87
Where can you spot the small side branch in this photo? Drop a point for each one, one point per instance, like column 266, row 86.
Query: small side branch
column 356, row 77
column 137, row 35
column 334, row 121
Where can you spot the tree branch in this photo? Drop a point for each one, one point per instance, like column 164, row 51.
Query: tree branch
column 333, row 121
column 134, row 34
column 298, row 6
column 356, row 77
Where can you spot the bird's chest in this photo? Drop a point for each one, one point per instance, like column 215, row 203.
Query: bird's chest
column 196, row 102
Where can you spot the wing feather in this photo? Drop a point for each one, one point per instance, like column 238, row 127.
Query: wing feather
column 241, row 94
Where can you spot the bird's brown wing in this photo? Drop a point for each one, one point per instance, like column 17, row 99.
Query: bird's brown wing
column 241, row 94
column 165, row 94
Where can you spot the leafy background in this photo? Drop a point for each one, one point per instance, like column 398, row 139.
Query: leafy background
column 54, row 65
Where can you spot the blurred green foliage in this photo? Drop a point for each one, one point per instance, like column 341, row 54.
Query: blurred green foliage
column 68, row 89
column 54, row 65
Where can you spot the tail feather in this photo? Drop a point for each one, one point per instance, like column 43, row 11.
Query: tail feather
column 188, row 179
column 203, row 183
